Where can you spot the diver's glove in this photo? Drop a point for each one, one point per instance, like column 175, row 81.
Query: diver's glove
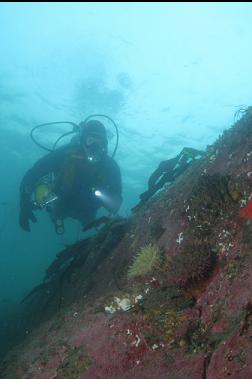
column 26, row 214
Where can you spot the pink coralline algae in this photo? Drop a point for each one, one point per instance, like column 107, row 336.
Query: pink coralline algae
column 117, row 349
column 232, row 359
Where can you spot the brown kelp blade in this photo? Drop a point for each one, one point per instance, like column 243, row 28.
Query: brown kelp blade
column 98, row 222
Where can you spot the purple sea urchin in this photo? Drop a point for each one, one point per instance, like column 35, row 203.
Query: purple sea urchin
column 193, row 263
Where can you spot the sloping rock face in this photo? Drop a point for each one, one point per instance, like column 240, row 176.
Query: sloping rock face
column 189, row 317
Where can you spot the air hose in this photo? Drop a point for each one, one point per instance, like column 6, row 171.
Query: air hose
column 76, row 129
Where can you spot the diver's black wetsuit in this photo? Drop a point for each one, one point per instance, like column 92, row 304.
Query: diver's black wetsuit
column 76, row 180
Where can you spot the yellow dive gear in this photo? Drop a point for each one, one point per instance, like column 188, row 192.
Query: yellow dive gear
column 43, row 193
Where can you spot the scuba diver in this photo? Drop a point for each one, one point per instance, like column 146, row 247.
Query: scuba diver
column 74, row 180
column 167, row 172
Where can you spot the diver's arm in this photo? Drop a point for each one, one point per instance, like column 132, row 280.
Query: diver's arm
column 48, row 164
column 41, row 168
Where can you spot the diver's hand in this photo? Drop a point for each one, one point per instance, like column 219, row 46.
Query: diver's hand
column 26, row 215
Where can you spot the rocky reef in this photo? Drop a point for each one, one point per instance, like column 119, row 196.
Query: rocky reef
column 163, row 294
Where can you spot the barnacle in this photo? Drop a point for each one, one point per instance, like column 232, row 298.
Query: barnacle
column 146, row 261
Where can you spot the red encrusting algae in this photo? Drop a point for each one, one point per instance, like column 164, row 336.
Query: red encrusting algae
column 247, row 210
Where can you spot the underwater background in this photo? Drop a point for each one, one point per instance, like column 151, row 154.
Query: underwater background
column 170, row 75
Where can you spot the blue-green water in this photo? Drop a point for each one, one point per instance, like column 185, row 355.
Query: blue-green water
column 170, row 75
